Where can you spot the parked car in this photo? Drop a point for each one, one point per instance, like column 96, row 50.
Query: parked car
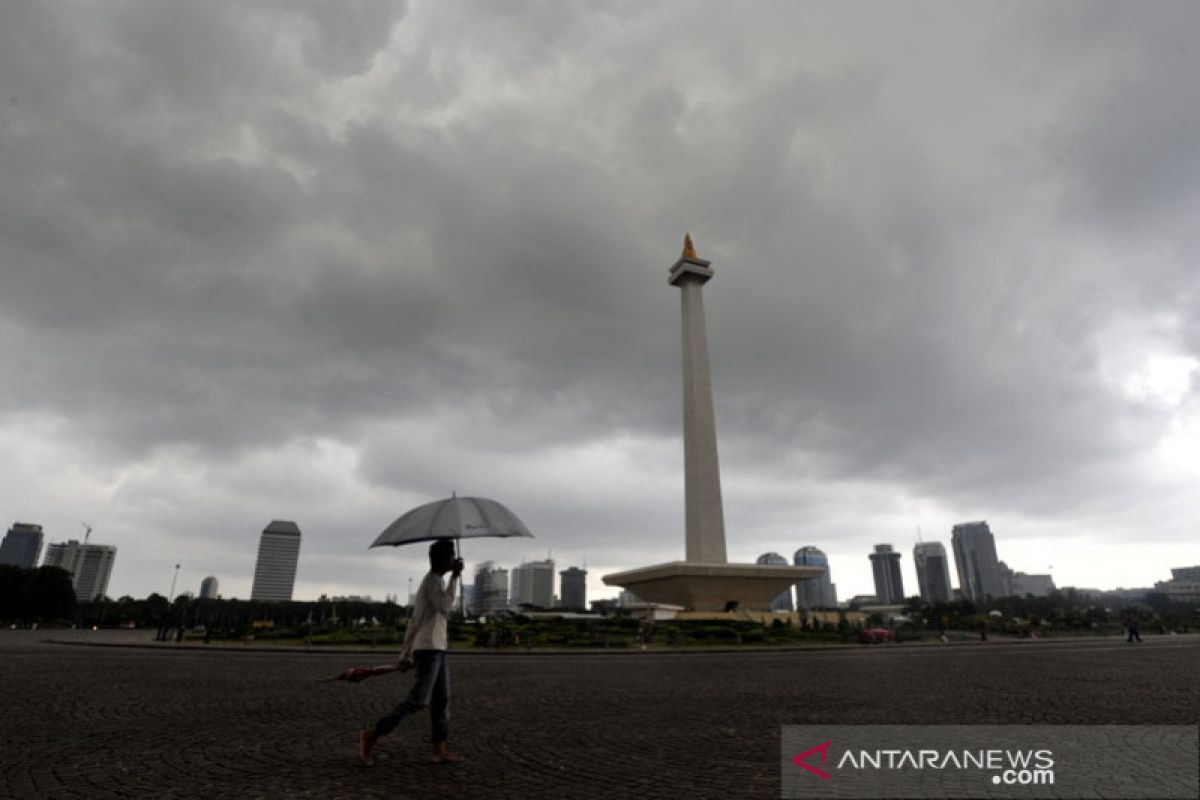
column 874, row 635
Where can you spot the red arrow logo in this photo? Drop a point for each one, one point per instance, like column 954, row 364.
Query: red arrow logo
column 822, row 749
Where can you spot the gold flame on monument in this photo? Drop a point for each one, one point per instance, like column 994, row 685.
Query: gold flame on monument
column 689, row 250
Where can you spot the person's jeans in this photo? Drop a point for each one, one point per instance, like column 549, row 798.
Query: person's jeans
column 432, row 688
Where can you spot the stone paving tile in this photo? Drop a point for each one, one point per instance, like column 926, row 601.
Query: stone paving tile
column 110, row 722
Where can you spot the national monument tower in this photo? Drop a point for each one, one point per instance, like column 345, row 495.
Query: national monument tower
column 704, row 581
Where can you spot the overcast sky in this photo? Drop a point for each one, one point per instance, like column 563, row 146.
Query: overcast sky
column 260, row 261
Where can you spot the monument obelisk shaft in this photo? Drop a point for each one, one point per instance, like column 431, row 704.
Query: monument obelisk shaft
column 704, row 515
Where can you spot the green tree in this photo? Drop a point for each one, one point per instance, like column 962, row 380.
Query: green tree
column 155, row 608
column 1159, row 601
column 12, row 590
column 48, row 594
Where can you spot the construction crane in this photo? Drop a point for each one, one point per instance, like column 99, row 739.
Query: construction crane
column 88, row 534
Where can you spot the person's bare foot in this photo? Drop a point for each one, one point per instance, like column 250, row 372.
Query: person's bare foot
column 366, row 740
column 441, row 755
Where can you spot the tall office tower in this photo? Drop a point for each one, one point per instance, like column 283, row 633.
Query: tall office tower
column 889, row 586
column 979, row 575
column 574, row 588
column 490, row 590
column 90, row 566
column 784, row 601
column 533, row 584
column 480, row 587
column 208, row 588
column 275, row 570
column 22, row 545
column 516, row 594
column 498, row 598
column 815, row 592
column 95, row 565
column 933, row 572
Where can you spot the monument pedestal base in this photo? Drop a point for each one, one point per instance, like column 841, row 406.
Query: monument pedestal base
column 702, row 586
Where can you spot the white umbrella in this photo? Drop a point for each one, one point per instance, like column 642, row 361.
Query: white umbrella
column 453, row 518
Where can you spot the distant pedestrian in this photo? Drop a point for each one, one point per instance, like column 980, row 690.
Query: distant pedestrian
column 425, row 644
column 1131, row 630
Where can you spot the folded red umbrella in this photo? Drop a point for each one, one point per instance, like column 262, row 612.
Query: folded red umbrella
column 356, row 674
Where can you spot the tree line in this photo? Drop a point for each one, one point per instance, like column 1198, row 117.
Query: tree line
column 233, row 616
column 41, row 595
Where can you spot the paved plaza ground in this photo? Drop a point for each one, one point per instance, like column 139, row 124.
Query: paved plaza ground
column 98, row 722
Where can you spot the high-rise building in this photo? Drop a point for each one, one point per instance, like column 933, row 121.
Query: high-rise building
column 1006, row 580
column 22, row 545
column 533, row 584
column 889, row 585
column 94, row 568
column 498, row 598
column 278, row 554
column 514, row 588
column 490, row 592
column 574, row 588
column 1185, row 573
column 784, row 601
column 208, row 588
column 1184, row 586
column 90, row 566
column 56, row 555
column 933, row 572
column 814, row 592
column 979, row 574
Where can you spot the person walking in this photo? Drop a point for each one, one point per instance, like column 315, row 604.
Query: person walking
column 424, row 649
column 1131, row 629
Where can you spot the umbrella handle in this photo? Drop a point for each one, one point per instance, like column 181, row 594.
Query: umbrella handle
column 462, row 592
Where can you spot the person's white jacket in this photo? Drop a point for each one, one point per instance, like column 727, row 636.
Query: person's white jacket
column 427, row 628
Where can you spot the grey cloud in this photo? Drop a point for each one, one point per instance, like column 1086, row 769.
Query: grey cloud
column 348, row 35
column 461, row 274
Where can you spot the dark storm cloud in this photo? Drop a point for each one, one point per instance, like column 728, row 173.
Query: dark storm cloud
column 437, row 236
column 346, row 36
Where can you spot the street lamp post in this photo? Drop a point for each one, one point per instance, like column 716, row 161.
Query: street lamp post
column 164, row 628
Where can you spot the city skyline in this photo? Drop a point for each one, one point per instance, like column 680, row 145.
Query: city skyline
column 331, row 267
column 1017, row 581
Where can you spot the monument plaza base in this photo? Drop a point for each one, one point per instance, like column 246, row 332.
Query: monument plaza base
column 701, row 586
